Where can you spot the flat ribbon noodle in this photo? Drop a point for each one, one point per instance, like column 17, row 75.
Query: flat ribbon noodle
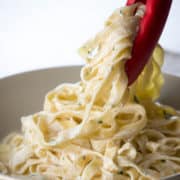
column 99, row 128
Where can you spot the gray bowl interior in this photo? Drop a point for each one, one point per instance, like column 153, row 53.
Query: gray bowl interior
column 23, row 94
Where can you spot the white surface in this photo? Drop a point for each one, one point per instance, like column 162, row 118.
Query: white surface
column 43, row 33
column 170, row 38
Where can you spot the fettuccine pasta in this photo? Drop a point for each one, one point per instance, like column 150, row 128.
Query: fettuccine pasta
column 99, row 128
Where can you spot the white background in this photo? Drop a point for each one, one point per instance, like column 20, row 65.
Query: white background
column 44, row 33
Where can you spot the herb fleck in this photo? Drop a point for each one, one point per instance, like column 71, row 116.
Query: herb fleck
column 88, row 161
column 136, row 99
column 167, row 115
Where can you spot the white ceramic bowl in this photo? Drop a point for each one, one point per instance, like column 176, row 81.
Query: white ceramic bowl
column 23, row 94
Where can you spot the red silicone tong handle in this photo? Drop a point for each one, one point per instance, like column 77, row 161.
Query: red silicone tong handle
column 151, row 27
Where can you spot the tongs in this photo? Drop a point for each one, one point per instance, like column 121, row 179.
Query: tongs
column 151, row 27
column 150, row 30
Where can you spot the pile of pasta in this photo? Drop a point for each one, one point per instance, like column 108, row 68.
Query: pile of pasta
column 100, row 128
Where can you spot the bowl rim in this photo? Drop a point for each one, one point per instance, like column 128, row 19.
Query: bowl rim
column 60, row 67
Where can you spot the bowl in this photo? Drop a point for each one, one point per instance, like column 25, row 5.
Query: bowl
column 23, row 94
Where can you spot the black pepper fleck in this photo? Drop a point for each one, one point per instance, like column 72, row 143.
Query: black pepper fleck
column 100, row 121
column 120, row 172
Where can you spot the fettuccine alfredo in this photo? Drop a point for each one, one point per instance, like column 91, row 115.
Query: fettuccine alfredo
column 99, row 128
